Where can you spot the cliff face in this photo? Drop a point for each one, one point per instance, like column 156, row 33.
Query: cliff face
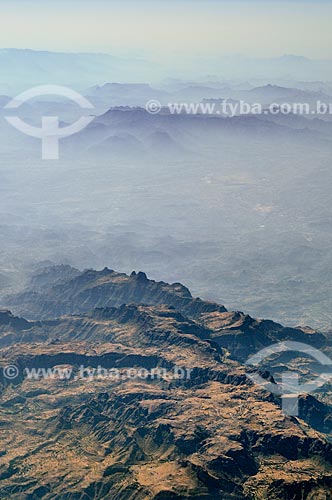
column 148, row 402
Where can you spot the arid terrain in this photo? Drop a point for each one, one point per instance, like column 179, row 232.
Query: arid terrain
column 196, row 429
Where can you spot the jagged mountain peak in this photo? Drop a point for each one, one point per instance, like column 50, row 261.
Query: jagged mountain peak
column 72, row 292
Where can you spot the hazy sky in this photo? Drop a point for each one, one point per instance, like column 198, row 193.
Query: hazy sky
column 170, row 28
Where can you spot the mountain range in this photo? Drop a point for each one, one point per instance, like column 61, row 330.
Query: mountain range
column 211, row 435
column 25, row 67
column 237, row 207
